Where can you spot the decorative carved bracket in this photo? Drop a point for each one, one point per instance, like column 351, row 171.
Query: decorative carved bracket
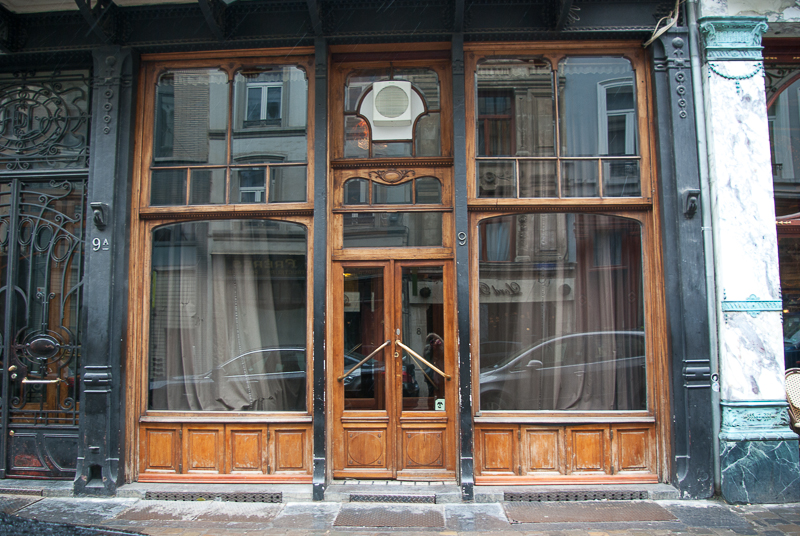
column 732, row 38
column 391, row 176
column 100, row 17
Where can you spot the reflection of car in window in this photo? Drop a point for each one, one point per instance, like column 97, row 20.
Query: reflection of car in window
column 791, row 340
column 586, row 371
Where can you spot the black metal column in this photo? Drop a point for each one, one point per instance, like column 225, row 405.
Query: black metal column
column 320, row 157
column 106, row 263
column 684, row 267
column 462, row 268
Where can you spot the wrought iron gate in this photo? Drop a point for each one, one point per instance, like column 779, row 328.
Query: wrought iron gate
column 41, row 272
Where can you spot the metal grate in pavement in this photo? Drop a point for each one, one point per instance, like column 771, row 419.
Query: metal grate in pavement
column 557, row 496
column 393, row 498
column 585, row 512
column 9, row 505
column 214, row 496
column 381, row 516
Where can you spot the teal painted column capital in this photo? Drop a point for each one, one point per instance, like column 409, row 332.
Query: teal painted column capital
column 732, row 38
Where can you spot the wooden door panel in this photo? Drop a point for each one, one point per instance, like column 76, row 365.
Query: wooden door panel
column 424, row 448
column 247, row 449
column 160, row 449
column 634, row 449
column 497, row 451
column 202, row 448
column 290, row 449
column 588, row 449
column 366, row 448
column 543, row 450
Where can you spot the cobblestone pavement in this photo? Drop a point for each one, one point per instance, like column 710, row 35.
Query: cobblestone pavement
column 67, row 516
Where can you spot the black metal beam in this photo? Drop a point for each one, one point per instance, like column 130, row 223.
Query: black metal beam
column 96, row 17
column 458, row 17
column 9, row 32
column 313, row 13
column 562, row 15
column 214, row 13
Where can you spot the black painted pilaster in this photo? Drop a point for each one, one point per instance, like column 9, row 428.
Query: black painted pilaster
column 684, row 268
column 105, row 280
column 462, row 268
column 320, row 157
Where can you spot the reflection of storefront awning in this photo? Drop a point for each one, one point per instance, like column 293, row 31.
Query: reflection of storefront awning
column 526, row 290
column 789, row 224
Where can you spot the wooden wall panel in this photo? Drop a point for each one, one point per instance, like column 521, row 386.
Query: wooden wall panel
column 543, row 450
column 497, row 451
column 160, row 449
column 634, row 448
column 588, row 449
column 246, row 449
column 202, row 448
column 290, row 448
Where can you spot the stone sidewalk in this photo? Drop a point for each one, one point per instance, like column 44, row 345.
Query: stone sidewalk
column 67, row 516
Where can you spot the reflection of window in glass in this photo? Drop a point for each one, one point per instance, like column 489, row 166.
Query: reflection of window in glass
column 495, row 123
column 165, row 121
column 263, row 104
column 616, row 116
column 251, row 186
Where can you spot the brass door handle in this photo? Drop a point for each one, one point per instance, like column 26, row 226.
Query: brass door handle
column 378, row 349
column 415, row 355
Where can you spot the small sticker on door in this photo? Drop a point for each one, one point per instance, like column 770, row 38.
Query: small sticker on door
column 439, row 405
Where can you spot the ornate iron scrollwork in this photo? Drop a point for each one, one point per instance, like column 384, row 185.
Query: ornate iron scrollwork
column 44, row 121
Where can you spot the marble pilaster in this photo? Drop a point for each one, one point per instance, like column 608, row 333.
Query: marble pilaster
column 750, row 335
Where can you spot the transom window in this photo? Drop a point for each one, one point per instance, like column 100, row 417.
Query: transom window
column 556, row 130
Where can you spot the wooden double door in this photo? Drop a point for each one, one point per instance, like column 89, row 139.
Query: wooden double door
column 393, row 366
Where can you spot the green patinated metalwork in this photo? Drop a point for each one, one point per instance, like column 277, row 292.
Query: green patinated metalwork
column 752, row 306
column 755, row 420
column 732, row 38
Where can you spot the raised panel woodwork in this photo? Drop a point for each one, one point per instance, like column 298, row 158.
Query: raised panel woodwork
column 588, row 449
column 497, row 450
column 423, row 449
column 202, row 448
column 543, row 450
column 247, row 449
column 160, row 449
column 366, row 448
column 633, row 448
column 291, row 449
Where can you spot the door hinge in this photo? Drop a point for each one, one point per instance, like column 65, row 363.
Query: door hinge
column 519, row 470
column 519, row 434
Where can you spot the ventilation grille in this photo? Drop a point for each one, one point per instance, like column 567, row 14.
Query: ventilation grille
column 557, row 496
column 394, row 498
column 211, row 496
column 21, row 491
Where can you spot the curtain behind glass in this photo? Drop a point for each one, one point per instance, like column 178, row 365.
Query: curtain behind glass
column 218, row 290
column 561, row 313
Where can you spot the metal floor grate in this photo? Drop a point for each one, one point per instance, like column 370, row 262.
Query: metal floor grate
column 381, row 516
column 559, row 496
column 393, row 498
column 214, row 496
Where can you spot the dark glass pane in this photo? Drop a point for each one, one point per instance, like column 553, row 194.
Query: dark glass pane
column 356, row 192
column 270, row 120
column 597, row 110
column 387, row 149
column 248, row 185
column 561, row 313
column 228, row 317
column 287, row 184
column 168, row 187
column 429, row 191
column 191, row 118
column 356, row 137
column 423, row 326
column 784, row 135
column 387, row 194
column 496, row 178
column 207, row 187
column 579, row 178
column 364, row 332
column 392, row 230
column 621, row 178
column 427, row 138
column 515, row 108
column 537, row 178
